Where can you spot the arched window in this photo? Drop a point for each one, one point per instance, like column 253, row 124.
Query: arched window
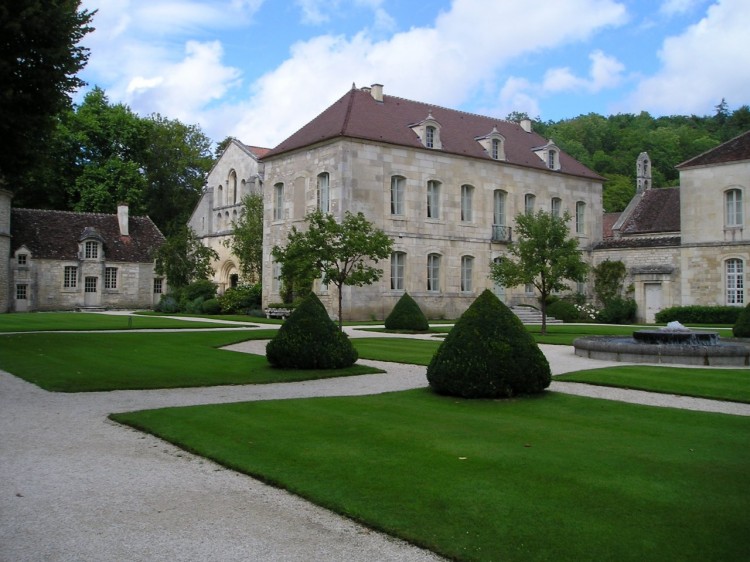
column 219, row 196
column 324, row 199
column 495, row 152
column 552, row 159
column 467, row 194
column 433, row 272
column 397, row 195
column 735, row 281
column 580, row 217
column 733, row 198
column 232, row 188
column 398, row 264
column 429, row 141
column 467, row 274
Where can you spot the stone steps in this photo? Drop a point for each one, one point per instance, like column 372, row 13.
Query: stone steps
column 530, row 315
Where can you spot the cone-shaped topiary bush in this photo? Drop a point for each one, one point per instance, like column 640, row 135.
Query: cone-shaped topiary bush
column 488, row 354
column 741, row 328
column 309, row 339
column 407, row 315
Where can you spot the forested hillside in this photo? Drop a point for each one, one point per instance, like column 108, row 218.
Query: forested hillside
column 611, row 145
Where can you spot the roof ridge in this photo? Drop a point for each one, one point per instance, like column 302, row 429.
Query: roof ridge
column 89, row 213
column 347, row 114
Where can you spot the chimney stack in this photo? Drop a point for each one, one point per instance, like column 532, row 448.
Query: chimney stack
column 376, row 92
column 526, row 125
column 122, row 218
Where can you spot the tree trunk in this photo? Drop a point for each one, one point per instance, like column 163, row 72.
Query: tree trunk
column 544, row 314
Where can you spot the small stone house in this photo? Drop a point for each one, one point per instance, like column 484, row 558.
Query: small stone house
column 60, row 260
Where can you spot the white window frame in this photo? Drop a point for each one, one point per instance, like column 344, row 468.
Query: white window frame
column 467, row 274
column 529, row 201
column 433, row 273
column 110, row 278
column 22, row 259
column 276, row 277
column 735, row 281
column 91, row 250
column 467, row 197
column 278, row 201
column 70, row 277
column 495, row 149
column 499, row 199
column 429, row 136
column 158, row 285
column 397, row 195
column 556, row 207
column 90, row 284
column 433, row 199
column 398, row 268
column 22, row 292
column 324, row 192
column 733, row 205
column 580, row 217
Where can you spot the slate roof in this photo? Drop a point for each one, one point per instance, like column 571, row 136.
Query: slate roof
column 733, row 150
column 357, row 114
column 658, row 211
column 56, row 234
column 647, row 242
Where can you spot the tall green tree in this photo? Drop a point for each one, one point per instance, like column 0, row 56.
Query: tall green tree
column 247, row 240
column 184, row 259
column 40, row 56
column 544, row 255
column 342, row 252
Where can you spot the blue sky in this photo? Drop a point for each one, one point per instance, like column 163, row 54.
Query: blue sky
column 260, row 69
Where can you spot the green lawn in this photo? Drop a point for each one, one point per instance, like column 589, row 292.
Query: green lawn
column 127, row 361
column 397, row 350
column 720, row 384
column 81, row 321
column 555, row 477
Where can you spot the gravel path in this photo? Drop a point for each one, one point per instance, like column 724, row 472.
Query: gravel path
column 76, row 486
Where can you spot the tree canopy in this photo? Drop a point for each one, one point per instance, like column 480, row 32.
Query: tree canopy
column 183, row 259
column 342, row 252
column 39, row 59
column 544, row 255
column 247, row 240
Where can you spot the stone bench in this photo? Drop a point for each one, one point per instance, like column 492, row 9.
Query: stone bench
column 282, row 313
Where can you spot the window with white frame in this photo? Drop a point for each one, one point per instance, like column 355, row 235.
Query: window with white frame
column 498, row 216
column 110, row 278
column 529, row 288
column 70, row 277
column 22, row 292
column 580, row 217
column 433, row 272
column 556, row 207
column 733, row 198
column 89, row 284
column 158, row 285
column 276, row 277
column 735, row 279
column 21, row 259
column 433, row 199
column 278, row 201
column 398, row 265
column 495, row 152
column 324, row 198
column 397, row 195
column 552, row 159
column 467, row 274
column 429, row 140
column 467, row 195
column 91, row 250
column 528, row 203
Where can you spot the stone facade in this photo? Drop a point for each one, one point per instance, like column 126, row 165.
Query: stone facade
column 58, row 260
column 5, row 198
column 236, row 174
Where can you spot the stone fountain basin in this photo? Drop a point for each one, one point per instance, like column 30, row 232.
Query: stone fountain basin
column 630, row 350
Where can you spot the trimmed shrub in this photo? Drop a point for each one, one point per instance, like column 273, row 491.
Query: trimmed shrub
column 201, row 288
column 741, row 328
column 618, row 310
column 211, row 306
column 240, row 299
column 406, row 315
column 488, row 354
column 192, row 307
column 309, row 339
column 563, row 310
column 699, row 314
column 167, row 304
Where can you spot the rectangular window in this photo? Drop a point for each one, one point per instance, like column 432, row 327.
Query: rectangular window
column 21, row 259
column 70, row 279
column 158, row 285
column 89, row 284
column 495, row 149
column 324, row 199
column 580, row 217
column 499, row 211
column 467, row 194
column 556, row 207
column 529, row 289
column 735, row 282
column 110, row 278
column 276, row 277
column 433, row 272
column 734, row 207
column 91, row 250
column 397, row 195
column 430, row 137
column 278, row 201
column 551, row 159
column 22, row 292
column 528, row 204
column 398, row 262
column 467, row 273
column 433, row 199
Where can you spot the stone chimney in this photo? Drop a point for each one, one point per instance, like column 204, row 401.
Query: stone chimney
column 376, row 91
column 122, row 219
column 526, row 125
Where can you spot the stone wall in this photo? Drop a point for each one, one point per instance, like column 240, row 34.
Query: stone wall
column 5, row 284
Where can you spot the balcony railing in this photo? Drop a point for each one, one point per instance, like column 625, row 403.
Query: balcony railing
column 500, row 233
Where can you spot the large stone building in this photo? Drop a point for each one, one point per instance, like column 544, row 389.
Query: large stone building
column 686, row 246
column 58, row 260
column 443, row 184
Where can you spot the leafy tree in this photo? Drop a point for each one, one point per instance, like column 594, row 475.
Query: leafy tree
column 609, row 277
column 183, row 259
column 618, row 191
column 39, row 59
column 340, row 251
column 247, row 241
column 544, row 256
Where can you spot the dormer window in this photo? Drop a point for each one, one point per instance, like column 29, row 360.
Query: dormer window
column 551, row 159
column 493, row 144
column 428, row 132
column 550, row 155
column 91, row 250
column 21, row 259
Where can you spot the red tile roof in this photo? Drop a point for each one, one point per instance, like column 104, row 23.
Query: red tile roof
column 731, row 151
column 56, row 234
column 608, row 221
column 359, row 115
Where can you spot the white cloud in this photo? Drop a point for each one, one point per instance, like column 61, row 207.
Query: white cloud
column 701, row 66
column 676, row 7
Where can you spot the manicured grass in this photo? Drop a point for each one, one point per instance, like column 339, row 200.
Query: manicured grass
column 397, row 350
column 556, row 477
column 720, row 384
column 81, row 321
column 129, row 361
